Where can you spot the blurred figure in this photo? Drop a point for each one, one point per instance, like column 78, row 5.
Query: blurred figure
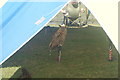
column 58, row 40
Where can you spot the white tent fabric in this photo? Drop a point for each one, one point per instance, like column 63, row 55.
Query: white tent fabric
column 2, row 2
column 106, row 12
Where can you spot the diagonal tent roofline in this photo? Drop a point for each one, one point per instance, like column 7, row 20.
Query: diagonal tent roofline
column 106, row 12
column 2, row 2
column 30, row 29
column 106, row 7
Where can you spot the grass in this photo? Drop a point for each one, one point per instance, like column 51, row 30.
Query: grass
column 11, row 72
column 84, row 55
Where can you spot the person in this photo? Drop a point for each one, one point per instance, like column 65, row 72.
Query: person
column 58, row 40
column 110, row 53
column 65, row 20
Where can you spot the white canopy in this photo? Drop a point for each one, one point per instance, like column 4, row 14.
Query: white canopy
column 2, row 2
column 106, row 12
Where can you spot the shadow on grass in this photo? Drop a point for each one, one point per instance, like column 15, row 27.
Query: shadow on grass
column 18, row 58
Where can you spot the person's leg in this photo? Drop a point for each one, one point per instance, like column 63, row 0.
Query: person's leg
column 64, row 20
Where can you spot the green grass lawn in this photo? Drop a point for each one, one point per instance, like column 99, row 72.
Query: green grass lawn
column 84, row 55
